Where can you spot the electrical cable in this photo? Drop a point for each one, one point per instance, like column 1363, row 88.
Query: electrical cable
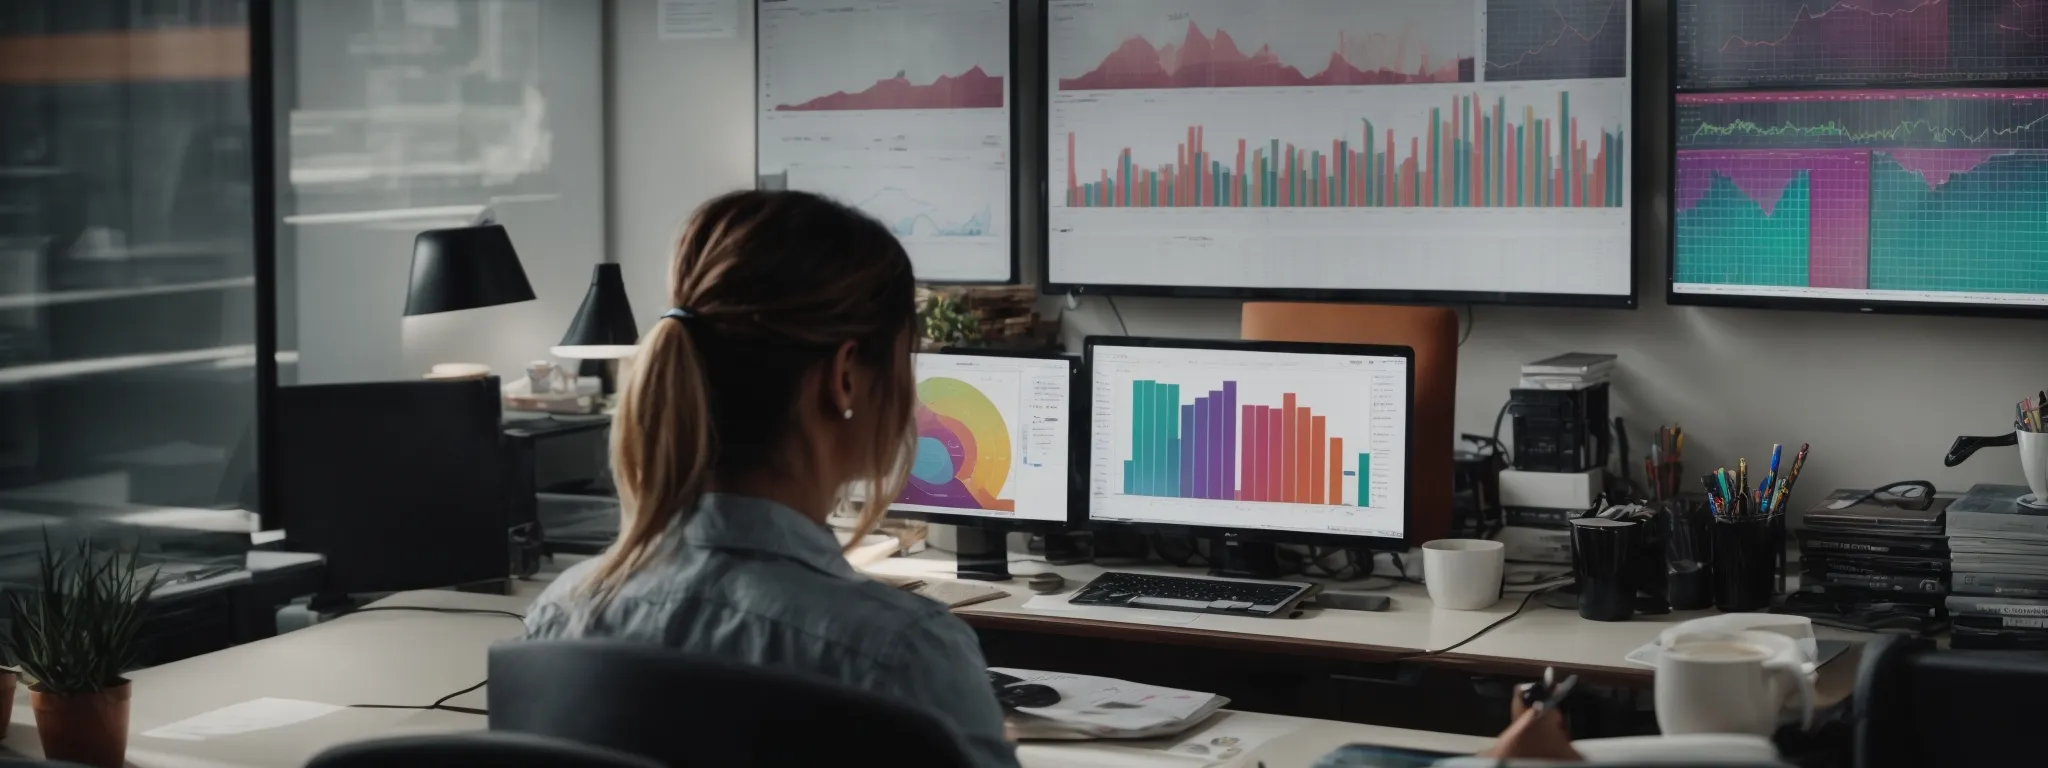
column 1119, row 315
column 1476, row 635
column 431, row 609
column 1468, row 326
column 440, row 703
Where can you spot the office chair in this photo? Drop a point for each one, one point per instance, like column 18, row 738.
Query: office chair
column 1926, row 708
column 687, row 710
column 1433, row 332
column 475, row 750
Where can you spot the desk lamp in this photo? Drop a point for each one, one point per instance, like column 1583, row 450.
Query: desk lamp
column 464, row 268
column 603, row 332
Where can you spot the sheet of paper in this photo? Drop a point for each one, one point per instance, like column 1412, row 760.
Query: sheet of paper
column 1059, row 604
column 1230, row 735
column 698, row 19
column 251, row 715
column 1102, row 706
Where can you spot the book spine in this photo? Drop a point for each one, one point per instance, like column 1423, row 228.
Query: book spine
column 1973, row 523
column 1539, row 517
column 1975, row 621
column 1965, row 638
column 1976, row 605
column 2000, row 584
column 1810, row 543
column 1921, row 585
column 1902, row 567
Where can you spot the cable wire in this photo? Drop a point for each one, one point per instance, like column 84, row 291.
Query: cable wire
column 1468, row 326
column 440, row 703
column 432, row 609
column 1119, row 315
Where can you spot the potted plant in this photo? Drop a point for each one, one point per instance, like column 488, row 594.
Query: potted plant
column 73, row 637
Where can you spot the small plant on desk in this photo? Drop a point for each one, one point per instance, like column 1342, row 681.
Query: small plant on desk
column 74, row 636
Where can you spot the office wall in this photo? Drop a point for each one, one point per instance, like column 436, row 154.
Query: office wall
column 681, row 130
column 1879, row 397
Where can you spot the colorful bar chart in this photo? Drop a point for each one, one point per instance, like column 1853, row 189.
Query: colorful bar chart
column 1473, row 156
column 1218, row 449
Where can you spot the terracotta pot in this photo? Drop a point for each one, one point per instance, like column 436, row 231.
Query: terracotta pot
column 9, row 680
column 84, row 728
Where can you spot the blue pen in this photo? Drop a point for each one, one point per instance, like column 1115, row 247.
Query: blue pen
column 1764, row 492
column 1722, row 475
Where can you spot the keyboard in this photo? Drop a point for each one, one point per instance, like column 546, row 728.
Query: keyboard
column 1182, row 593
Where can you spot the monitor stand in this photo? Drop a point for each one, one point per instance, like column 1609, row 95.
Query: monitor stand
column 1238, row 559
column 982, row 554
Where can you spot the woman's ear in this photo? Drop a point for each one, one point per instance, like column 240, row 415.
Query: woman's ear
column 840, row 381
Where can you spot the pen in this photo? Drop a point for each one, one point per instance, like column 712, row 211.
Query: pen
column 1742, row 474
column 1792, row 475
column 1722, row 475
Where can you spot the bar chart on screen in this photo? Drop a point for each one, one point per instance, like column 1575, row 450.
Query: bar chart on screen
column 1216, row 448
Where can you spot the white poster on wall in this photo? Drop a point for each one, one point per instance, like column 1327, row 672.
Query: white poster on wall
column 698, row 19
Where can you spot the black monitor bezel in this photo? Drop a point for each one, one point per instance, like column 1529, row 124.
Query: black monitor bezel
column 1644, row 215
column 1076, row 454
column 1382, row 543
column 1017, row 129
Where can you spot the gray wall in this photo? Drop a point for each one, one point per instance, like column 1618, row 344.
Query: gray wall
column 1880, row 398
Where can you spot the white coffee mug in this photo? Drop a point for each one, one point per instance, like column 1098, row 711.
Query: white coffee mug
column 1463, row 574
column 2034, row 461
column 1734, row 682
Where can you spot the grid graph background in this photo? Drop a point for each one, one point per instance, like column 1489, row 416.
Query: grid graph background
column 1957, row 220
column 1556, row 39
column 1773, row 218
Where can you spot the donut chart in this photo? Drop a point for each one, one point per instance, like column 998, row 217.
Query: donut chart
column 963, row 449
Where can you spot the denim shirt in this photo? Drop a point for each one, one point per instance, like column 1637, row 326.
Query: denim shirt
column 753, row 580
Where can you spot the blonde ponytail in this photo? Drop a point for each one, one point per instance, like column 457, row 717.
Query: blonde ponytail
column 662, row 448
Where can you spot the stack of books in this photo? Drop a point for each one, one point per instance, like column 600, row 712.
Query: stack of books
column 1999, row 591
column 1874, row 561
column 1576, row 370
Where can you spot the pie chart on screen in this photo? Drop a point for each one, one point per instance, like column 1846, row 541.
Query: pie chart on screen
column 963, row 449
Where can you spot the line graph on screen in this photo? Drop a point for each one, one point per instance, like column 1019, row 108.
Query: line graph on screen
column 1737, row 43
column 1556, row 39
column 2015, row 118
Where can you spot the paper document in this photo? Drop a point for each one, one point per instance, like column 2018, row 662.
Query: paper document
column 697, row 19
column 1105, row 708
column 251, row 715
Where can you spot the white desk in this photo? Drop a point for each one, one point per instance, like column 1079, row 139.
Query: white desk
column 404, row 657
column 1540, row 637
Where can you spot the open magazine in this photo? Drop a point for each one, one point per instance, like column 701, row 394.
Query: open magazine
column 1105, row 708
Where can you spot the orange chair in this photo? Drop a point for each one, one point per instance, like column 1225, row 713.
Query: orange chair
column 1433, row 332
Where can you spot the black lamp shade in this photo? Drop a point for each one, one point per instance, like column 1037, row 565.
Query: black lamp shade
column 465, row 268
column 603, row 327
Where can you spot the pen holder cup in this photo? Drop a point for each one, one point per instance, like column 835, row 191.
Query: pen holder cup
column 2034, row 461
column 1687, row 586
column 1745, row 567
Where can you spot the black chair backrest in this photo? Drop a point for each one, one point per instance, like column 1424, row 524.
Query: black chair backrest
column 475, row 750
column 687, row 710
column 1925, row 708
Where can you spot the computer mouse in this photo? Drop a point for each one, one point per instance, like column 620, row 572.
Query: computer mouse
column 1046, row 583
column 1027, row 695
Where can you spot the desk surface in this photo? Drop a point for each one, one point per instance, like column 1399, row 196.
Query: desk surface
column 404, row 657
column 1540, row 637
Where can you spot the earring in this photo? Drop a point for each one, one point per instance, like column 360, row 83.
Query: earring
column 848, row 415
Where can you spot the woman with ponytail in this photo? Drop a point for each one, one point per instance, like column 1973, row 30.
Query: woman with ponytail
column 780, row 378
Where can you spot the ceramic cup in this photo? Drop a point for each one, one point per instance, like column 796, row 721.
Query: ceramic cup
column 2034, row 462
column 1729, row 682
column 1463, row 574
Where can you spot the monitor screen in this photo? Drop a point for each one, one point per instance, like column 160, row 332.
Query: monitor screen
column 993, row 438
column 1279, row 442
column 1892, row 157
column 900, row 108
column 1473, row 150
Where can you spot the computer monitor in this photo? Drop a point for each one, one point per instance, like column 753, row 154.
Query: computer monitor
column 1251, row 443
column 995, row 450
